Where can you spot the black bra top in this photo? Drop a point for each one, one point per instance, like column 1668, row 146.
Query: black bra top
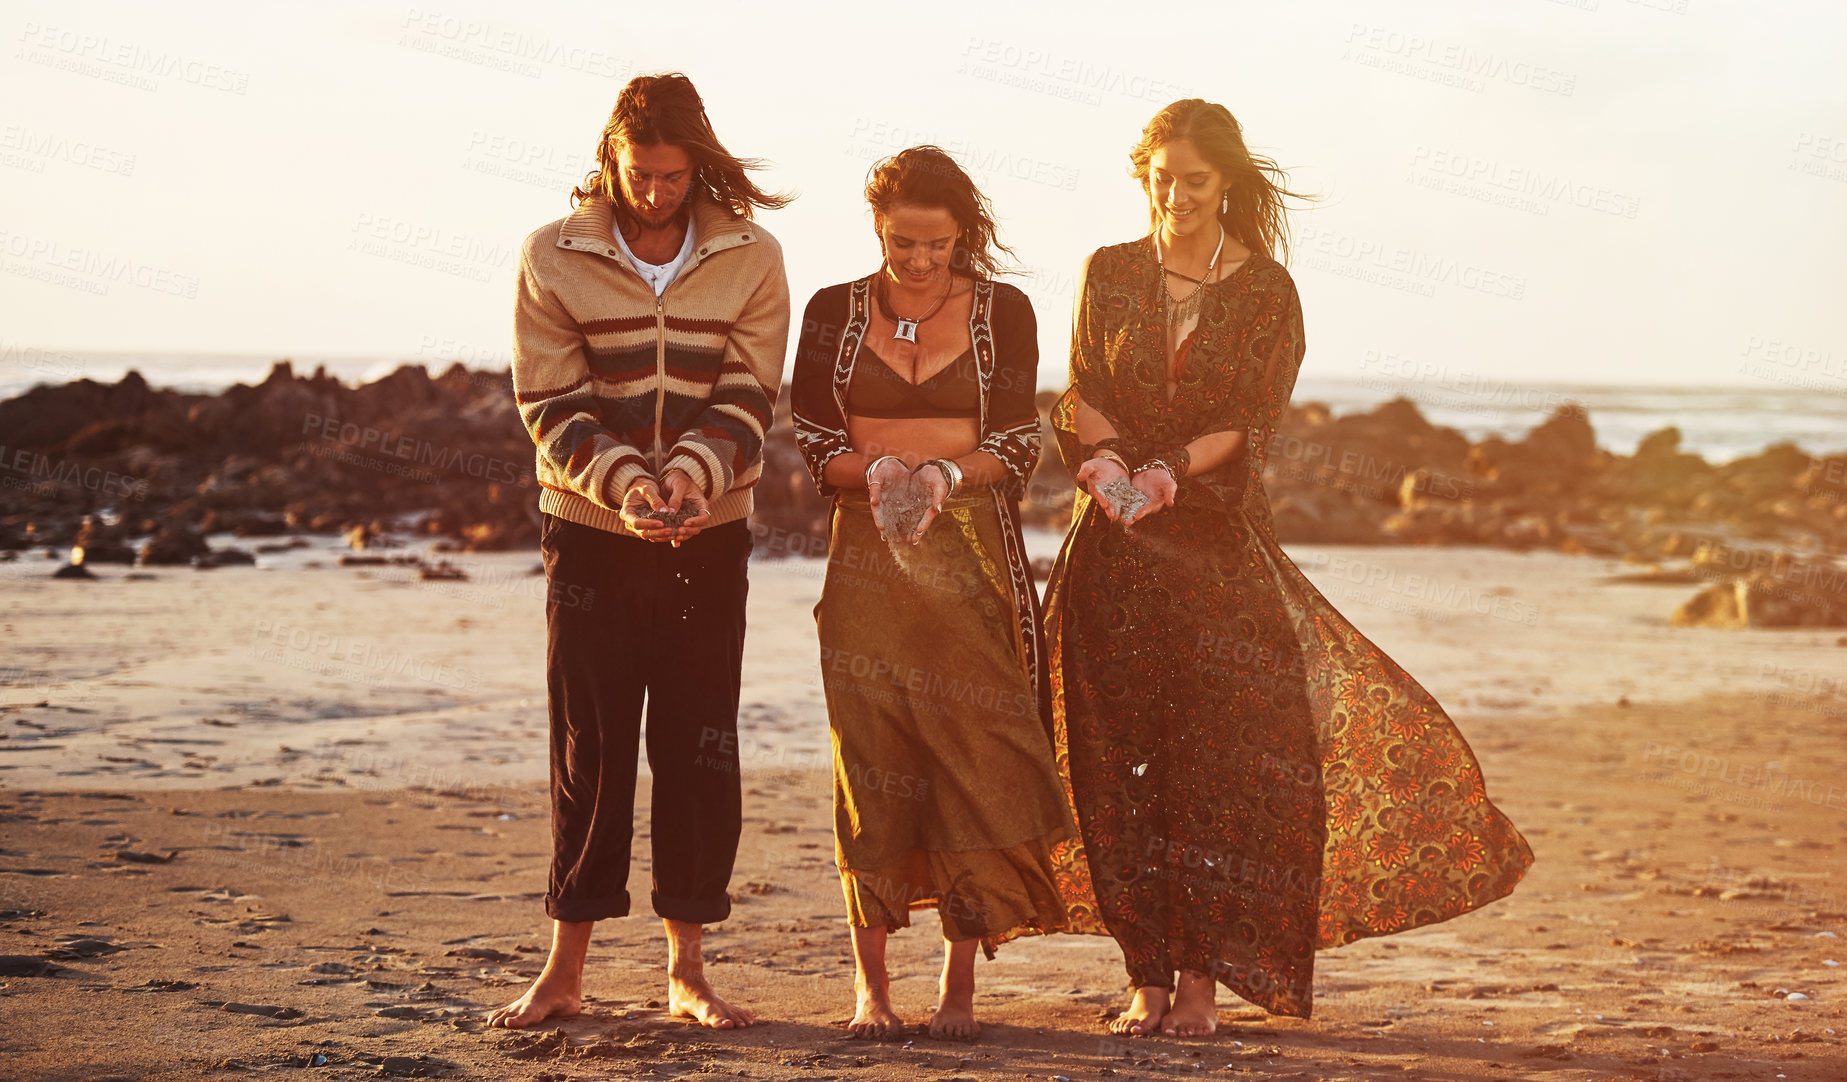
column 878, row 391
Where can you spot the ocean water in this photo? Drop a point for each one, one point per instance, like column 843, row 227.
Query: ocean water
column 1719, row 422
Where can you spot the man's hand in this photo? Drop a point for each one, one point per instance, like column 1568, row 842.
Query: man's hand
column 683, row 495
column 638, row 506
column 1159, row 486
column 1096, row 473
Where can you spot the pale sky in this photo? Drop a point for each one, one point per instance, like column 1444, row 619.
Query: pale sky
column 1610, row 191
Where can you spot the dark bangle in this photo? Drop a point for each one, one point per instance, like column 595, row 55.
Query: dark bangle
column 1113, row 443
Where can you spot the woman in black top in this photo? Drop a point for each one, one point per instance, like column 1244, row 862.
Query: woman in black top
column 916, row 382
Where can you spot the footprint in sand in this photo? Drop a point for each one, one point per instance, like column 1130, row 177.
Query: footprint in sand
column 24, row 965
column 72, row 948
column 263, row 1009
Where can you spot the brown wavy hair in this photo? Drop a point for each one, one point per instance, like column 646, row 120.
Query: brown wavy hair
column 1255, row 212
column 926, row 176
column 656, row 109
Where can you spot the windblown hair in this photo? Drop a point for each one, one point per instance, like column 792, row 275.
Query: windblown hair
column 1255, row 212
column 926, row 176
column 665, row 109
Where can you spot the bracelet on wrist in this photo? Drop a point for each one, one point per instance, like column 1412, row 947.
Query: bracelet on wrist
column 952, row 473
column 1111, row 456
column 1174, row 462
column 876, row 463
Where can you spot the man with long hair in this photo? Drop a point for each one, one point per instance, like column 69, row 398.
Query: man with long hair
column 649, row 332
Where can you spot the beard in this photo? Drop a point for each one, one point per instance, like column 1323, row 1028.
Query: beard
column 633, row 215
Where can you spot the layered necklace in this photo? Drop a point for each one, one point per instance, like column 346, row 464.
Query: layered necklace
column 1179, row 311
column 905, row 330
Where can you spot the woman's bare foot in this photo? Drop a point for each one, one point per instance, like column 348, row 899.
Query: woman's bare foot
column 874, row 1020
column 689, row 995
column 558, row 991
column 1144, row 1014
column 954, row 1019
column 1195, row 1012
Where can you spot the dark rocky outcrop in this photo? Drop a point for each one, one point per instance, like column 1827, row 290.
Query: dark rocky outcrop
column 448, row 457
column 289, row 454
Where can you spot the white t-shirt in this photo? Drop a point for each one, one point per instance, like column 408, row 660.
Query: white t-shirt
column 659, row 275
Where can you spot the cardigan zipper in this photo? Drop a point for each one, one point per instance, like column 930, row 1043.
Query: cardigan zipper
column 660, row 373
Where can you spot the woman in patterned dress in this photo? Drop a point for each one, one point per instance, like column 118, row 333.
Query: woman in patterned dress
column 1253, row 779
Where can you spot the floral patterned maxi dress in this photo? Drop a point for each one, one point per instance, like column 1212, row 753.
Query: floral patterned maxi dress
column 1253, row 778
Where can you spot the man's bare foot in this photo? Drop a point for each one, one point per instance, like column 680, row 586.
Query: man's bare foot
column 873, row 1019
column 690, row 996
column 558, row 993
column 1195, row 1012
column 1144, row 1014
column 954, row 1019
column 553, row 995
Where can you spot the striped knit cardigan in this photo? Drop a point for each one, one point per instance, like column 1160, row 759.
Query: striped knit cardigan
column 615, row 384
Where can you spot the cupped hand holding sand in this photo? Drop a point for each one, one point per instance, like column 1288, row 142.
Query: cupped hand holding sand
column 1121, row 500
column 904, row 506
column 642, row 507
column 685, row 512
column 1156, row 488
column 1124, row 499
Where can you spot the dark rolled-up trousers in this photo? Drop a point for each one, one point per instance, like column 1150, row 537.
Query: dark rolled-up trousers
column 628, row 619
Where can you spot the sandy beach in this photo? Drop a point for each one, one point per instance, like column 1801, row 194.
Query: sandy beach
column 261, row 818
